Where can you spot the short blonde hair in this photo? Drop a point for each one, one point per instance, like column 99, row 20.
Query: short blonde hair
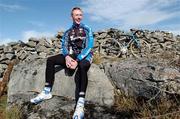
column 75, row 8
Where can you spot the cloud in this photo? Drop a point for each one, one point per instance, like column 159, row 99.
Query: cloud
column 175, row 32
column 26, row 35
column 6, row 40
column 31, row 33
column 37, row 23
column 10, row 7
column 131, row 12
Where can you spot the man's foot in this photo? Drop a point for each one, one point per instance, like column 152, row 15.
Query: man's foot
column 44, row 95
column 79, row 112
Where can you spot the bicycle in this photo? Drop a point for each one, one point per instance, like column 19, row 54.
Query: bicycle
column 134, row 43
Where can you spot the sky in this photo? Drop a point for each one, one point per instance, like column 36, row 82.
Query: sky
column 22, row 19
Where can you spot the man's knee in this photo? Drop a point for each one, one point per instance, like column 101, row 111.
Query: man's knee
column 50, row 60
column 84, row 64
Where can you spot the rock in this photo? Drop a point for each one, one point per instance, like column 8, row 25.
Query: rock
column 60, row 34
column 159, row 36
column 41, row 48
column 59, row 108
column 32, row 78
column 3, row 66
column 44, row 42
column 13, row 44
column 22, row 54
column 2, row 47
column 32, row 44
column 32, row 56
column 1, row 72
column 3, row 58
column 141, row 78
column 33, row 39
column 30, row 49
column 10, row 56
column 8, row 49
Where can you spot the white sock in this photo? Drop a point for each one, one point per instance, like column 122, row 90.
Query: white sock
column 80, row 102
column 47, row 90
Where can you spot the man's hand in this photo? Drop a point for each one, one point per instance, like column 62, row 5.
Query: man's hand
column 70, row 62
column 74, row 64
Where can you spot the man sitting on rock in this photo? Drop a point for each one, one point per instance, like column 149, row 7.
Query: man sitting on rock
column 77, row 44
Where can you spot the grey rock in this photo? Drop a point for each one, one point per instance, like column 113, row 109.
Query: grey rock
column 2, row 47
column 32, row 44
column 41, row 48
column 60, row 108
column 100, row 89
column 13, row 44
column 22, row 54
column 102, row 35
column 2, row 69
column 10, row 56
column 8, row 49
column 141, row 78
column 159, row 36
column 1, row 72
column 33, row 39
column 44, row 42
column 30, row 49
column 3, row 66
column 3, row 58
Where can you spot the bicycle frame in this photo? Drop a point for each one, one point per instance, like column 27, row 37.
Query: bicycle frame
column 133, row 38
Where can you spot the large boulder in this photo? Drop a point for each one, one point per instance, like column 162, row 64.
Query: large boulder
column 30, row 77
column 59, row 108
column 145, row 78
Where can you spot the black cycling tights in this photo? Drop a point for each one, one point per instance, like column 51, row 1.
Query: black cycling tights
column 81, row 78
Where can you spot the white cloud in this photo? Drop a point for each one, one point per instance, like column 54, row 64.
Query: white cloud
column 130, row 12
column 175, row 32
column 6, row 40
column 28, row 34
column 10, row 7
column 37, row 23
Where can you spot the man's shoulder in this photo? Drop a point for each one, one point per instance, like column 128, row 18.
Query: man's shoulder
column 86, row 27
column 68, row 30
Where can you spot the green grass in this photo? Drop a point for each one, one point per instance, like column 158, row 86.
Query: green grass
column 12, row 113
column 164, row 108
column 3, row 103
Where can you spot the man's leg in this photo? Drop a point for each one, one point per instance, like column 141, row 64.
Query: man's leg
column 50, row 72
column 83, row 68
column 50, row 68
column 81, row 80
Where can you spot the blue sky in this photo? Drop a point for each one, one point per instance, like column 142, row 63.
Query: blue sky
column 21, row 19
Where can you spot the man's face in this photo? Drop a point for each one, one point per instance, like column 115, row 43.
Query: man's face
column 77, row 16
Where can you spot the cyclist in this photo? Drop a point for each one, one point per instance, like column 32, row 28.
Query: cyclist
column 77, row 44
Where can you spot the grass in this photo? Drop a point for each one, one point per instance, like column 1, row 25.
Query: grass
column 12, row 113
column 163, row 108
column 97, row 58
column 3, row 103
column 170, row 58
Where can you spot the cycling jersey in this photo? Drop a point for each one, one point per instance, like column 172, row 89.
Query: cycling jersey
column 78, row 40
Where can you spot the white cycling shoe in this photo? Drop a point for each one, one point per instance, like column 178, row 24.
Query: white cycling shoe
column 44, row 95
column 79, row 112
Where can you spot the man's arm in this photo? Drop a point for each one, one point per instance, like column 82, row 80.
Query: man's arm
column 65, row 39
column 89, row 45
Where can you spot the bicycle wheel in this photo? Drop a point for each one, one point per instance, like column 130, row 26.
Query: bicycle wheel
column 140, row 51
column 110, row 48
